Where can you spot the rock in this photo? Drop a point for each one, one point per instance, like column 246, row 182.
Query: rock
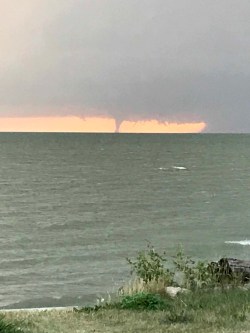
column 174, row 291
column 229, row 268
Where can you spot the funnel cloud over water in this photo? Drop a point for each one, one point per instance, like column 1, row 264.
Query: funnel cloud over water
column 117, row 125
column 181, row 61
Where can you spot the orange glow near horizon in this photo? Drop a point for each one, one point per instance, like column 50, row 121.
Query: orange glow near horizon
column 57, row 124
column 94, row 124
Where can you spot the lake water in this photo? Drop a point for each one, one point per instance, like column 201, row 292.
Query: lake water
column 74, row 206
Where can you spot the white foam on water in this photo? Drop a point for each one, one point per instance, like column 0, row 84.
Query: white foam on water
column 241, row 242
column 179, row 168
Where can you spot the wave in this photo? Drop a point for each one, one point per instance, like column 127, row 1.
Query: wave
column 179, row 167
column 241, row 242
column 173, row 167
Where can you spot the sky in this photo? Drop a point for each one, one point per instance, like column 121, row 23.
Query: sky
column 127, row 66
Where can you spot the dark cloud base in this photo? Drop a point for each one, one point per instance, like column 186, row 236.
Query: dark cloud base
column 132, row 60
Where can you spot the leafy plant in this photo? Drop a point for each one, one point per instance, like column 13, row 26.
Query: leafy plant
column 143, row 301
column 152, row 275
column 196, row 274
column 149, row 265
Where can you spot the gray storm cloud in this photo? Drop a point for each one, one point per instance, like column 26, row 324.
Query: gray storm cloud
column 135, row 59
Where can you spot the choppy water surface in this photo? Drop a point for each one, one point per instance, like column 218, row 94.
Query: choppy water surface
column 73, row 206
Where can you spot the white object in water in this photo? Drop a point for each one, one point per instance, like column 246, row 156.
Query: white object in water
column 179, row 168
column 241, row 242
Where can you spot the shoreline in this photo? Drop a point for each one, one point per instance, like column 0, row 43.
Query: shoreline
column 57, row 308
column 204, row 311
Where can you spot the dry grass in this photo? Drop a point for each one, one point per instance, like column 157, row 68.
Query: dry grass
column 137, row 285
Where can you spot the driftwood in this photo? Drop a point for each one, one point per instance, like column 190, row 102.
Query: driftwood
column 230, row 268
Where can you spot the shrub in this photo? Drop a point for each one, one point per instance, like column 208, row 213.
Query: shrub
column 195, row 275
column 152, row 275
column 143, row 301
column 149, row 266
column 137, row 301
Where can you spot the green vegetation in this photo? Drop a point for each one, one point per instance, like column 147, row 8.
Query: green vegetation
column 142, row 301
column 153, row 269
column 226, row 311
column 149, row 265
column 9, row 327
column 216, row 302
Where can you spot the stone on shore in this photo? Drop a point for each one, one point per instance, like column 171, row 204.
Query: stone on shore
column 174, row 291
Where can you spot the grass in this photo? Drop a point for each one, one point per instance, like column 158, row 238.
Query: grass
column 215, row 303
column 9, row 327
column 201, row 311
